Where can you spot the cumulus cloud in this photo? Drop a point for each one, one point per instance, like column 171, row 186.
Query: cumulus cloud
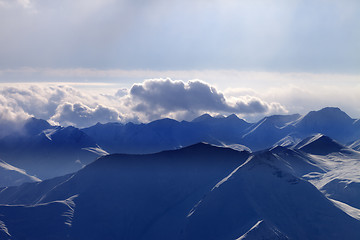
column 12, row 117
column 82, row 116
column 163, row 96
column 61, row 104
column 146, row 101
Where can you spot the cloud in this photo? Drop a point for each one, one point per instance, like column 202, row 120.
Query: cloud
column 62, row 104
column 157, row 97
column 12, row 117
column 81, row 115
column 143, row 102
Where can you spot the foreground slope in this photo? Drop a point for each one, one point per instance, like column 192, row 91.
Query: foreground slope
column 198, row 192
column 134, row 196
column 260, row 190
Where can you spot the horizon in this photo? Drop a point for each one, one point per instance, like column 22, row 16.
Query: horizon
column 218, row 116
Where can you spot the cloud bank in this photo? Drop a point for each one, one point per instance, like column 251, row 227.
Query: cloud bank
column 164, row 96
column 143, row 102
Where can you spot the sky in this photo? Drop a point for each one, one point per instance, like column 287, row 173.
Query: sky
column 80, row 62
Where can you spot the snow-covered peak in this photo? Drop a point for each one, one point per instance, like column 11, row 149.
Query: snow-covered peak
column 319, row 144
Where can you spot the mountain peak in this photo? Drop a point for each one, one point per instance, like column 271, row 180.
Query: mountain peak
column 328, row 114
column 233, row 116
column 35, row 126
column 319, row 144
column 204, row 117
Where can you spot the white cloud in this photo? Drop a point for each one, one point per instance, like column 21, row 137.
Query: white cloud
column 12, row 117
column 144, row 102
column 84, row 104
column 81, row 115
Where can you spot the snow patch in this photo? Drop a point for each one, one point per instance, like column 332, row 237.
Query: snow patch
column 69, row 214
column 351, row 211
column 97, row 150
column 4, row 228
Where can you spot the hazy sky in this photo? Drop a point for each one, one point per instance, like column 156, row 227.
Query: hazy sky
column 255, row 57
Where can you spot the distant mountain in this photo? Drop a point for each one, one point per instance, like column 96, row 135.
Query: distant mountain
column 197, row 192
column 268, row 131
column 34, row 126
column 47, row 151
column 329, row 121
column 319, row 144
column 166, row 134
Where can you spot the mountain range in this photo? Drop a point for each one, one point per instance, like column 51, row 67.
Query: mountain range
column 284, row 177
column 198, row 192
column 47, row 151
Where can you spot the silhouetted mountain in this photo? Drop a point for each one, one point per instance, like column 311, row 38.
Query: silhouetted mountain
column 268, row 131
column 47, row 151
column 319, row 144
column 261, row 189
column 34, row 126
column 131, row 196
column 329, row 121
column 166, row 134
column 197, row 192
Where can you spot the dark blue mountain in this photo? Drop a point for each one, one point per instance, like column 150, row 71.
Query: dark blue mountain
column 197, row 192
column 47, row 151
column 166, row 134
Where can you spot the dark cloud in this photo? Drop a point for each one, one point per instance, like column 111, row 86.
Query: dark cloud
column 163, row 96
column 177, row 95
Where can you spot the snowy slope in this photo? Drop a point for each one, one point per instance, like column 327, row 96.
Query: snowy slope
column 341, row 180
column 262, row 230
column 32, row 222
column 319, row 144
column 268, row 131
column 355, row 145
column 13, row 176
column 259, row 189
